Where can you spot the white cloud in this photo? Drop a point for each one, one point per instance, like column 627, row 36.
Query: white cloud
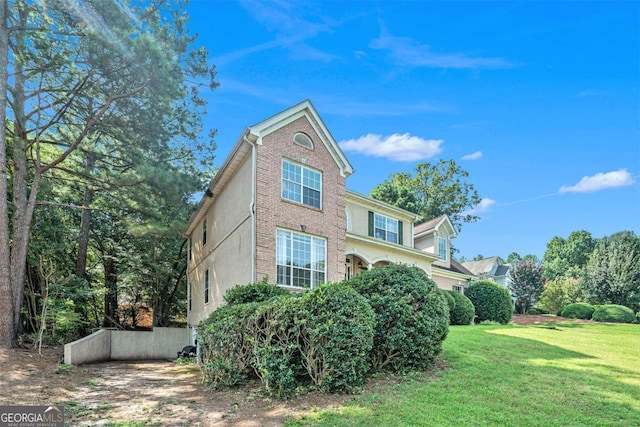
column 408, row 52
column 473, row 156
column 396, row 147
column 600, row 181
column 481, row 207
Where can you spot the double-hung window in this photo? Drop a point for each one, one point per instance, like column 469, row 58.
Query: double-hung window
column 301, row 259
column 442, row 248
column 204, row 231
column 301, row 184
column 385, row 228
column 457, row 288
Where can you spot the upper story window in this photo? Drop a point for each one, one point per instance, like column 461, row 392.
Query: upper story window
column 303, row 139
column 442, row 248
column 300, row 259
column 385, row 228
column 301, row 184
column 204, row 231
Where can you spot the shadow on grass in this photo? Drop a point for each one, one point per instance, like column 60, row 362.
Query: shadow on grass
column 500, row 380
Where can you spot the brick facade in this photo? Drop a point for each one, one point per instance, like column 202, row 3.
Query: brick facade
column 273, row 212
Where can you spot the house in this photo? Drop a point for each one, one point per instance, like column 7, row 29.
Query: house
column 278, row 208
column 492, row 268
column 435, row 236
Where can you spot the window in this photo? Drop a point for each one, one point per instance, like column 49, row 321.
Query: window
column 301, row 184
column 442, row 248
column 190, row 249
column 204, row 231
column 190, row 297
column 206, row 286
column 303, row 139
column 457, row 288
column 300, row 259
column 385, row 228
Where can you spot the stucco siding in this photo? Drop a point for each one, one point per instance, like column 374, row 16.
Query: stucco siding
column 227, row 253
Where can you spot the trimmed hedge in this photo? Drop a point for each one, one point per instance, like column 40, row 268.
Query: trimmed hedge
column 463, row 311
column 491, row 301
column 638, row 317
column 253, row 292
column 412, row 316
column 225, row 351
column 323, row 338
column 337, row 337
column 613, row 313
column 578, row 310
column 450, row 301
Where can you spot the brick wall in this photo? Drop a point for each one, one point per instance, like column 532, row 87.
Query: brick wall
column 273, row 212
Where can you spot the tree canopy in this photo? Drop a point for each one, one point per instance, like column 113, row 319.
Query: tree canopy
column 104, row 114
column 434, row 190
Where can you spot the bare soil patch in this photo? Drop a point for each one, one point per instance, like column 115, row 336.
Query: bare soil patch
column 154, row 393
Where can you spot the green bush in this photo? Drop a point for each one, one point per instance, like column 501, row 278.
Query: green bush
column 491, row 301
column 274, row 335
column 225, row 352
column 578, row 310
column 463, row 311
column 638, row 317
column 450, row 300
column 412, row 316
column 613, row 313
column 253, row 292
column 337, row 331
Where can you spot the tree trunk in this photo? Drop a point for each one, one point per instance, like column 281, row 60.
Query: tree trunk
column 111, row 283
column 83, row 246
column 7, row 329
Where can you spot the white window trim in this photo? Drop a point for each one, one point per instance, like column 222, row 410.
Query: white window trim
column 446, row 252
column 290, row 255
column 387, row 219
column 301, row 184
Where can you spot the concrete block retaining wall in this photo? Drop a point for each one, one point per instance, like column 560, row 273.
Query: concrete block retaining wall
column 105, row 344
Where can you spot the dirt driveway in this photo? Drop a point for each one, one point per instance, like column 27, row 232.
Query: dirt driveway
column 155, row 393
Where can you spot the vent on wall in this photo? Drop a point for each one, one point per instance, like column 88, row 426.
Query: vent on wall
column 303, row 139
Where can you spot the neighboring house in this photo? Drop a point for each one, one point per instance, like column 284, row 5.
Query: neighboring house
column 435, row 236
column 278, row 208
column 491, row 268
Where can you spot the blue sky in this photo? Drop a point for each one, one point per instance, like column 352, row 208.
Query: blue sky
column 538, row 101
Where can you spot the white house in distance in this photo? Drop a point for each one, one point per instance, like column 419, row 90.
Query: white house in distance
column 491, row 268
column 278, row 208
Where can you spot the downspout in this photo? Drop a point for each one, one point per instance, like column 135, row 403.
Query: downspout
column 252, row 207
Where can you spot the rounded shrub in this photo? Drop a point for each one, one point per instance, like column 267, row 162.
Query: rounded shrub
column 450, row 301
column 638, row 317
column 463, row 311
column 253, row 292
column 578, row 310
column 336, row 337
column 613, row 313
column 225, row 352
column 491, row 301
column 411, row 316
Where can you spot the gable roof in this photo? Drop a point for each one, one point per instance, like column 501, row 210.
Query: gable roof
column 456, row 267
column 253, row 135
column 481, row 266
column 303, row 109
column 434, row 224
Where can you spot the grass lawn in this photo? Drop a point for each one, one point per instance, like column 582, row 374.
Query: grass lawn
column 562, row 374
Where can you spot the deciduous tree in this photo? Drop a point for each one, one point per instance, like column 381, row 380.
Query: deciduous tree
column 435, row 189
column 527, row 284
column 612, row 274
